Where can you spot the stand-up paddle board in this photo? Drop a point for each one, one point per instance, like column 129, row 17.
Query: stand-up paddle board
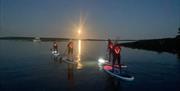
column 106, row 62
column 116, row 73
column 110, row 64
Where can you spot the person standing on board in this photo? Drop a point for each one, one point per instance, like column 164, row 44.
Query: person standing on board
column 110, row 49
column 116, row 55
column 70, row 48
column 55, row 47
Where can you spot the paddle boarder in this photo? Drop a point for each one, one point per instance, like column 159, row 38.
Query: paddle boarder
column 116, row 55
column 55, row 46
column 110, row 49
column 70, row 48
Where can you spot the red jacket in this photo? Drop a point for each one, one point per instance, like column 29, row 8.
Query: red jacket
column 116, row 49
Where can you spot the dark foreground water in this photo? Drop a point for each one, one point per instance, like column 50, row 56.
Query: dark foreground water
column 29, row 66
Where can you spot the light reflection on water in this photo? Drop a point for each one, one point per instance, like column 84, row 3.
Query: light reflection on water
column 79, row 64
column 29, row 66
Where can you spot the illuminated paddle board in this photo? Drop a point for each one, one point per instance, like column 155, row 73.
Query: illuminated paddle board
column 119, row 75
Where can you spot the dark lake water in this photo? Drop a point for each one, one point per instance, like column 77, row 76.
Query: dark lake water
column 29, row 66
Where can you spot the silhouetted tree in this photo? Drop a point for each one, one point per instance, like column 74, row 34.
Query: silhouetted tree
column 178, row 35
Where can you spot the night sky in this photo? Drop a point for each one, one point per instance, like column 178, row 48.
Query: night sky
column 125, row 19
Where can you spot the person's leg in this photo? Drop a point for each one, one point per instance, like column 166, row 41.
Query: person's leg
column 72, row 51
column 56, row 50
column 113, row 63
column 119, row 62
column 109, row 55
column 68, row 51
column 53, row 49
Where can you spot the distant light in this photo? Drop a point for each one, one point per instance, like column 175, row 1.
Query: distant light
column 79, row 31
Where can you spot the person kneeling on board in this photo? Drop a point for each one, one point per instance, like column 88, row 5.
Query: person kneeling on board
column 116, row 56
column 110, row 49
column 55, row 47
column 70, row 48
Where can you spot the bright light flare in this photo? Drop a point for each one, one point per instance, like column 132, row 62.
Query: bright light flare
column 101, row 60
column 79, row 31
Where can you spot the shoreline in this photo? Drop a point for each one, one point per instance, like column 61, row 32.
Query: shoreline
column 170, row 45
column 44, row 39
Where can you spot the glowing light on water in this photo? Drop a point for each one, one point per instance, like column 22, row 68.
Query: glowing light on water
column 79, row 47
column 79, row 30
column 101, row 60
column 79, row 65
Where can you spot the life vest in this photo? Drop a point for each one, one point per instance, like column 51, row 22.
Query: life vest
column 117, row 49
